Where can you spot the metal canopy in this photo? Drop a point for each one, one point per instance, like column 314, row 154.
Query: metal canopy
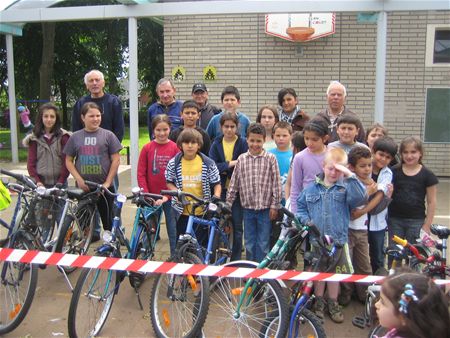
column 137, row 9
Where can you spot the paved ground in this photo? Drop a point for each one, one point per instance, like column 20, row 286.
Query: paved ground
column 48, row 313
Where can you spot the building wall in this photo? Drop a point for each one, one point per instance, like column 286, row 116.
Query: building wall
column 259, row 65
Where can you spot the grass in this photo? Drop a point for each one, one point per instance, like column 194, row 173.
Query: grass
column 5, row 141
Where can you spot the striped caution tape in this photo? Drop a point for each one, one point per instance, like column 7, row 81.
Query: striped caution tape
column 124, row 264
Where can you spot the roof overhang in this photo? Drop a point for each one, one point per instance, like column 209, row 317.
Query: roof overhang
column 137, row 9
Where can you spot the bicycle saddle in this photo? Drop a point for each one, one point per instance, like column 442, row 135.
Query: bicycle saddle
column 440, row 230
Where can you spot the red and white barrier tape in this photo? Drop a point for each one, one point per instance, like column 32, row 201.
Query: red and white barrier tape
column 123, row 264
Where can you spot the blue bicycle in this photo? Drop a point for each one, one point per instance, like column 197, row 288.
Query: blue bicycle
column 94, row 292
column 179, row 303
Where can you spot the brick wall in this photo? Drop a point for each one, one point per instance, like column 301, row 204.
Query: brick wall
column 259, row 65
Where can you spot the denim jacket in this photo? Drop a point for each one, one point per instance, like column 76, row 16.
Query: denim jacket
column 329, row 207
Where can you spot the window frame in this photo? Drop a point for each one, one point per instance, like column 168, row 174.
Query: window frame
column 429, row 48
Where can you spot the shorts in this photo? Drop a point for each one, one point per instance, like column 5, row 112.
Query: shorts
column 340, row 262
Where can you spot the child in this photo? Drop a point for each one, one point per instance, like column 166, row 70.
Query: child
column 231, row 100
column 347, row 130
column 413, row 306
column 268, row 117
column 225, row 151
column 327, row 203
column 289, row 108
column 309, row 162
column 298, row 144
column 151, row 168
column 360, row 162
column 190, row 114
column 375, row 132
column 384, row 150
column 256, row 178
column 282, row 134
column 93, row 154
column 46, row 160
column 413, row 184
column 193, row 172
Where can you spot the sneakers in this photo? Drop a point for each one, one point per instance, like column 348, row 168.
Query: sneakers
column 319, row 307
column 335, row 312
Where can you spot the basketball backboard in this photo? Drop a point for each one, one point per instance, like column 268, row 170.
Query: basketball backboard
column 323, row 24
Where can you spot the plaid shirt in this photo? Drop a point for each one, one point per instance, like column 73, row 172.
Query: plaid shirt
column 257, row 180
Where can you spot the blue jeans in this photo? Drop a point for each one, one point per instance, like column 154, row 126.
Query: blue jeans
column 406, row 228
column 376, row 249
column 257, row 233
column 171, row 225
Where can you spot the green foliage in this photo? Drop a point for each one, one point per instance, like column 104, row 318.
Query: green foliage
column 79, row 47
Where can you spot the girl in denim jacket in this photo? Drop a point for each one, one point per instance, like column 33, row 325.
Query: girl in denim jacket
column 327, row 203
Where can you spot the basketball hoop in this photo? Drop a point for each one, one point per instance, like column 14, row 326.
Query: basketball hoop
column 300, row 33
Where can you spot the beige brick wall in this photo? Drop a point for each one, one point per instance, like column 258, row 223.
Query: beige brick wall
column 259, row 65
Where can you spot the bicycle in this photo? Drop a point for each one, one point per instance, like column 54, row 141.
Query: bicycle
column 258, row 307
column 25, row 232
column 369, row 319
column 433, row 265
column 17, row 280
column 179, row 303
column 94, row 293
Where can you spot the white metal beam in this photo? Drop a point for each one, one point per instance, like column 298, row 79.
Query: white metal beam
column 133, row 95
column 12, row 98
column 215, row 7
column 380, row 74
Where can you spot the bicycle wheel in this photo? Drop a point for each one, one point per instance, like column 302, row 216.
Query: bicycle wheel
column 91, row 302
column 264, row 315
column 17, row 287
column 179, row 303
column 76, row 234
column 142, row 250
column 222, row 247
column 307, row 325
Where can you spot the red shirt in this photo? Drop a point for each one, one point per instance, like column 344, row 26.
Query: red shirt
column 152, row 165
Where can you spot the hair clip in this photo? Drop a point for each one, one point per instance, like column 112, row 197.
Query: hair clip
column 407, row 296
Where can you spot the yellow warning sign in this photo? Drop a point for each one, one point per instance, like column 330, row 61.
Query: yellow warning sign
column 209, row 73
column 178, row 73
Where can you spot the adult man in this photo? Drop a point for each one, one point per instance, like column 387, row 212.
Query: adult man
column 167, row 104
column 112, row 117
column 110, row 105
column 336, row 95
column 207, row 110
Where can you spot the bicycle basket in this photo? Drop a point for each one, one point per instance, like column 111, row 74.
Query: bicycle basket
column 5, row 197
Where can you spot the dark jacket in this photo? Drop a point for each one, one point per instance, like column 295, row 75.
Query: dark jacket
column 216, row 153
column 333, row 134
column 206, row 141
column 112, row 115
column 206, row 114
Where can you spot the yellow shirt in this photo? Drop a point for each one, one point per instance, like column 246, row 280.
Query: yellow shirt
column 191, row 172
column 228, row 148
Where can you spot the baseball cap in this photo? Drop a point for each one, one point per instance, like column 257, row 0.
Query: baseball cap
column 199, row 86
column 21, row 108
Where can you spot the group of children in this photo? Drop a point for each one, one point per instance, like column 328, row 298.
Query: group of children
column 344, row 187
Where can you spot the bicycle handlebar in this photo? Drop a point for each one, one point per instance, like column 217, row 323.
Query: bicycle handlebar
column 21, row 178
column 404, row 243
column 181, row 195
column 101, row 188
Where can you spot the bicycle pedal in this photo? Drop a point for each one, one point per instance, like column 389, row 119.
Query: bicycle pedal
column 359, row 321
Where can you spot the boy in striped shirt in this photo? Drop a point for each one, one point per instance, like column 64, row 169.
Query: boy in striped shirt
column 256, row 178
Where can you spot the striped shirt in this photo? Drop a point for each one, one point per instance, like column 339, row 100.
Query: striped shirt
column 257, row 180
column 210, row 177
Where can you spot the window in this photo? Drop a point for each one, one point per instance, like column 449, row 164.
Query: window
column 438, row 46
